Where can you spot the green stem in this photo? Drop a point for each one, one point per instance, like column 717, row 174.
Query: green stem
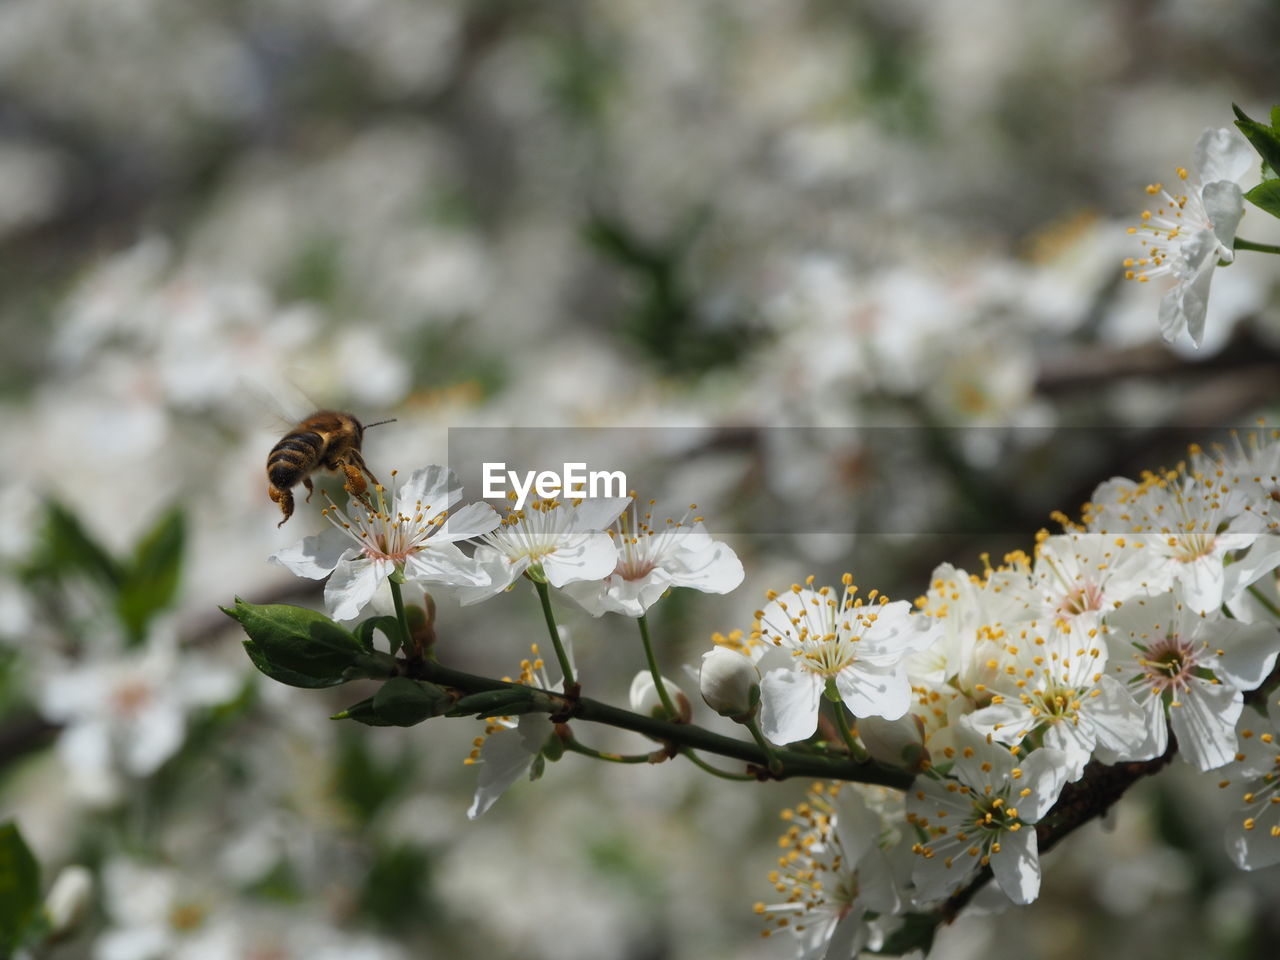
column 774, row 764
column 665, row 697
column 855, row 748
column 573, row 746
column 715, row 771
column 1261, row 598
column 544, row 595
column 405, row 637
column 795, row 763
column 1243, row 244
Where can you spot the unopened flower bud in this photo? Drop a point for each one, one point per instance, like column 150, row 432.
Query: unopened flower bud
column 898, row 743
column 645, row 699
column 730, row 683
column 68, row 899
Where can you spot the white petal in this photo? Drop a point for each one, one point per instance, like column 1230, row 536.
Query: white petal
column 789, row 705
column 353, row 584
column 505, row 757
column 1248, row 652
column 870, row 691
column 444, row 563
column 1043, row 774
column 470, row 521
column 716, row 569
column 1222, row 154
column 1224, row 204
column 1120, row 726
column 435, row 487
column 598, row 513
column 155, row 735
column 590, row 557
column 1017, row 865
column 1204, row 721
column 315, row 557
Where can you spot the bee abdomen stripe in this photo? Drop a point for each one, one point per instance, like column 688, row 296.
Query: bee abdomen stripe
column 304, row 443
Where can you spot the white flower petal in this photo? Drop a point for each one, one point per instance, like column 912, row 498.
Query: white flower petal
column 590, row 557
column 1017, row 865
column 870, row 691
column 1204, row 721
column 505, row 757
column 353, row 584
column 316, row 557
column 789, row 701
column 435, row 487
column 470, row 521
column 444, row 563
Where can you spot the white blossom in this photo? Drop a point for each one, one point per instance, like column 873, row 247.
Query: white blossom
column 412, row 531
column 1190, row 233
column 978, row 807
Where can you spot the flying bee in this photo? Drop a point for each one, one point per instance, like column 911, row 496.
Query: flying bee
column 327, row 440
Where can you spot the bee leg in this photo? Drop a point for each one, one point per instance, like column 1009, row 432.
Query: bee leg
column 285, row 499
column 306, row 482
column 358, row 461
column 355, row 484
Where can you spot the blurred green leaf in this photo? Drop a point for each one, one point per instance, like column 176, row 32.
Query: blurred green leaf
column 666, row 319
column 1266, row 140
column 151, row 582
column 367, row 784
column 19, row 888
column 66, row 547
column 1267, row 196
column 396, row 892
column 296, row 646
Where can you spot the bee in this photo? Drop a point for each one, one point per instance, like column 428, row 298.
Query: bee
column 327, row 440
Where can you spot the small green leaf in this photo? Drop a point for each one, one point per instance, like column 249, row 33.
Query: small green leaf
column 19, row 888
column 1267, row 196
column 150, row 583
column 507, row 702
column 363, row 712
column 1266, row 140
column 389, row 627
column 296, row 646
column 403, row 702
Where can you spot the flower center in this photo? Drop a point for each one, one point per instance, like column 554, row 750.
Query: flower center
column 1086, row 598
column 1170, row 664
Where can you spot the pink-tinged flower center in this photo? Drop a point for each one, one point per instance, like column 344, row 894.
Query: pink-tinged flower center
column 385, row 534
column 131, row 696
column 1086, row 598
column 644, row 546
column 1169, row 664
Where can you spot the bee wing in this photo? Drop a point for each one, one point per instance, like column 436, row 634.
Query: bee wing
column 280, row 402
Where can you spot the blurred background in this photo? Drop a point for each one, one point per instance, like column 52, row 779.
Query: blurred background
column 892, row 220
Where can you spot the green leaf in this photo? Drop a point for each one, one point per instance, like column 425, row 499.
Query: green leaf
column 19, row 888
column 507, row 702
column 389, row 627
column 363, row 712
column 150, row 583
column 403, row 702
column 68, row 546
column 1267, row 196
column 296, row 646
column 1266, row 140
column 400, row 702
